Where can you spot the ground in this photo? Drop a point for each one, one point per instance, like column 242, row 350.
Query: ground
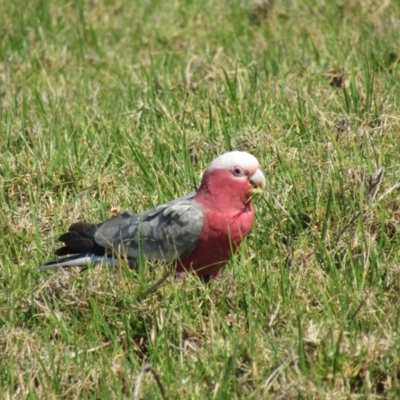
column 114, row 105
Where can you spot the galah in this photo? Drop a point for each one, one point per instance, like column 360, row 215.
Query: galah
column 198, row 232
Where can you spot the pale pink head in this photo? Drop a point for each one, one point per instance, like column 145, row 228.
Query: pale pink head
column 230, row 178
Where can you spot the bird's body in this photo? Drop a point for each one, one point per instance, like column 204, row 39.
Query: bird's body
column 198, row 232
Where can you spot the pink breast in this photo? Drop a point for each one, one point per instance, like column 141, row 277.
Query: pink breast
column 221, row 236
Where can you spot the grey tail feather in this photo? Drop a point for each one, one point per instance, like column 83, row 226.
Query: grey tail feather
column 81, row 260
column 71, row 261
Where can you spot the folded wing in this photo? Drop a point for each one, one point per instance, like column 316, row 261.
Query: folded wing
column 166, row 232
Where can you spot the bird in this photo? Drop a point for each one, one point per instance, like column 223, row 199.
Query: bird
column 197, row 233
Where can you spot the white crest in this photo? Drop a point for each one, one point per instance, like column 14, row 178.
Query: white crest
column 234, row 158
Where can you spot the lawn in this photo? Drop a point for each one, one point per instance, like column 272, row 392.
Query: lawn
column 114, row 105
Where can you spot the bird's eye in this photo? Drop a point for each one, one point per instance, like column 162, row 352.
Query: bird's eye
column 237, row 171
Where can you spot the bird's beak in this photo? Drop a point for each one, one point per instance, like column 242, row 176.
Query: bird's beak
column 258, row 179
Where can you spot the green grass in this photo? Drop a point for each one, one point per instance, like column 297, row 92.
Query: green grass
column 107, row 106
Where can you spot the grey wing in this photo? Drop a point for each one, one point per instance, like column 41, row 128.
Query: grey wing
column 166, row 232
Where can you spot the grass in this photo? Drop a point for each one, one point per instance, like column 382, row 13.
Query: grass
column 107, row 106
